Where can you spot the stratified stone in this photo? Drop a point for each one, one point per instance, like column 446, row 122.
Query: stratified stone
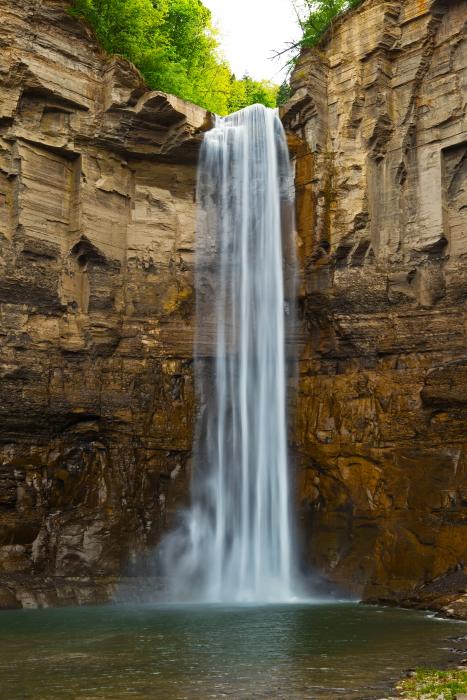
column 377, row 120
column 97, row 225
column 97, row 221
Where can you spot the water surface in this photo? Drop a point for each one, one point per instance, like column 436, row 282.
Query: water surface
column 200, row 652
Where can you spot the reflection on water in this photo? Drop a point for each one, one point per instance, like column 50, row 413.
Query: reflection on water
column 199, row 652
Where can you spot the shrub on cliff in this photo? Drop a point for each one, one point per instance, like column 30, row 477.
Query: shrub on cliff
column 174, row 45
column 317, row 16
column 314, row 17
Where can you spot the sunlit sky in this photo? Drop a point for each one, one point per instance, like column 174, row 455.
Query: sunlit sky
column 250, row 31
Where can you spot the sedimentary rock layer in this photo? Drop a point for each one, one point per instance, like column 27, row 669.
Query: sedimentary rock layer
column 97, row 220
column 378, row 122
column 97, row 217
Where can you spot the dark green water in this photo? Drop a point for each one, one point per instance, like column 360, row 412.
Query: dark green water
column 198, row 652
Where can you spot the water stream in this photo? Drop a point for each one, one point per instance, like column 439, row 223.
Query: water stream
column 235, row 543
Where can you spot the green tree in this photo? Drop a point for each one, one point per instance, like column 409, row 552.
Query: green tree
column 283, row 93
column 175, row 46
column 127, row 27
column 193, row 68
column 247, row 91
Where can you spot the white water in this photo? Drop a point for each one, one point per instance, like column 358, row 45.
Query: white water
column 235, row 542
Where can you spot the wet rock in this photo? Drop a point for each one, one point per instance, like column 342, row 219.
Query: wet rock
column 8, row 600
column 377, row 125
column 97, row 220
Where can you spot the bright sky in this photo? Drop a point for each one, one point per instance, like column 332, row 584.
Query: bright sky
column 250, row 30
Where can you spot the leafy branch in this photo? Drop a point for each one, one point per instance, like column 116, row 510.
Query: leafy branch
column 314, row 18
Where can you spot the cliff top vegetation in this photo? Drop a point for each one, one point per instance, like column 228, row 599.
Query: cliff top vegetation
column 175, row 46
column 316, row 16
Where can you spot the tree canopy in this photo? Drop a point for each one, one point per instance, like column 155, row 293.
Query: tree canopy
column 175, row 46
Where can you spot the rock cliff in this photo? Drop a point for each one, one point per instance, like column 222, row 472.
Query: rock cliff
column 378, row 122
column 97, row 218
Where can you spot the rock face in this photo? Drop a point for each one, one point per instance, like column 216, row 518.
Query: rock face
column 378, row 122
column 97, row 220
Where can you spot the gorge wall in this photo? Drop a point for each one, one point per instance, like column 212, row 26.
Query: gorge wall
column 97, row 220
column 378, row 121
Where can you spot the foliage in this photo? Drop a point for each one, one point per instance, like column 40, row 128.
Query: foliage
column 175, row 46
column 283, row 93
column 317, row 16
column 314, row 17
column 429, row 684
column 246, row 92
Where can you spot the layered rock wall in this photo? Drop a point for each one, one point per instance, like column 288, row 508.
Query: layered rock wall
column 378, row 122
column 97, row 219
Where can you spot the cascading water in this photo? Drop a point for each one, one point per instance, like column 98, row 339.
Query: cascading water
column 235, row 542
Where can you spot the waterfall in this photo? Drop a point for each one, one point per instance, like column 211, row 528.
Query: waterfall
column 235, row 541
